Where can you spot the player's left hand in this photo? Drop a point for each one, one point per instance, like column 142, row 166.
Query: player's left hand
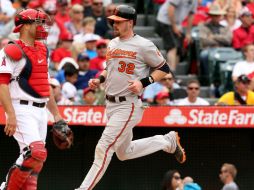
column 135, row 86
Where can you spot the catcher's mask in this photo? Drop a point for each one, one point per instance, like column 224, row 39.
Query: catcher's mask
column 30, row 16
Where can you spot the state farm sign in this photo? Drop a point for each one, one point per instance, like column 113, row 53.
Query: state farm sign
column 168, row 116
column 79, row 115
column 204, row 117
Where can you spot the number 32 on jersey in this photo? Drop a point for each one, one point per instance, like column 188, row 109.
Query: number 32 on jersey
column 126, row 67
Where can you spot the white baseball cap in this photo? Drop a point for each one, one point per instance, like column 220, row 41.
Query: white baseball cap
column 90, row 37
column 54, row 82
column 67, row 60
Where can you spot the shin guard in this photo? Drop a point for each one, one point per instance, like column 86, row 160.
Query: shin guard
column 34, row 157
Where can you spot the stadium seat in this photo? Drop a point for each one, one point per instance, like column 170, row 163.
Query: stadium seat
column 226, row 70
column 216, row 58
column 145, row 31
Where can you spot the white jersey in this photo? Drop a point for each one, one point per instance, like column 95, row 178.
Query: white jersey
column 14, row 68
column 130, row 59
column 243, row 68
column 199, row 102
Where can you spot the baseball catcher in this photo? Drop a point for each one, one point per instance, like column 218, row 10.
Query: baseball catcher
column 62, row 135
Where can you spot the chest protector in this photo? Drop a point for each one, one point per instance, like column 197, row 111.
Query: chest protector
column 33, row 79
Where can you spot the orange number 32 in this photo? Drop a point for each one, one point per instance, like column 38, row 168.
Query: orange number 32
column 126, row 67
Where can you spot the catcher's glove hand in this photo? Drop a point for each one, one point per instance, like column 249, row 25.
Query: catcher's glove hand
column 62, row 135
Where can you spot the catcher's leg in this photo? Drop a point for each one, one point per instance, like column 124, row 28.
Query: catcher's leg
column 34, row 156
column 31, row 181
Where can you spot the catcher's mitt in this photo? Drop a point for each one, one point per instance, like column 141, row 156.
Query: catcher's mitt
column 62, row 135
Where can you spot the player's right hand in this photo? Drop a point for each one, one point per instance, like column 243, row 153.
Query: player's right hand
column 94, row 83
column 11, row 125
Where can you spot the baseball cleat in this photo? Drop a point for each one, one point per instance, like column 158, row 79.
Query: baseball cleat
column 179, row 152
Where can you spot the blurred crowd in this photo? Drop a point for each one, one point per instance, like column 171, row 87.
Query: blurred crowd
column 172, row 179
column 80, row 32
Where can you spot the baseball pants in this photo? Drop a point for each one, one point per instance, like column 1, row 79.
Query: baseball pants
column 117, row 137
column 31, row 126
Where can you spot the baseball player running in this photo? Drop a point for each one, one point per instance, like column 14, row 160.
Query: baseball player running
column 24, row 93
column 130, row 58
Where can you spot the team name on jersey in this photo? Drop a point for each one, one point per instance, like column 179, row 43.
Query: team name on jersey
column 119, row 53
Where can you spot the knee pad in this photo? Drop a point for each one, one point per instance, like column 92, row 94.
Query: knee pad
column 37, row 151
column 35, row 156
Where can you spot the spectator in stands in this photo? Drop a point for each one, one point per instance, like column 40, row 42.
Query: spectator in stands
column 65, row 62
column 6, row 13
column 171, row 180
column 188, row 184
column 6, row 19
column 245, row 33
column 85, row 74
column 90, row 44
column 62, row 11
column 57, row 29
column 88, row 27
column 63, row 50
column 212, row 34
column 227, row 176
column 60, row 100
column 170, row 17
column 246, row 66
column 99, row 62
column 250, row 5
column 89, row 97
column 193, row 90
column 109, row 10
column 231, row 20
column 20, row 4
column 241, row 95
column 87, row 4
column 98, row 14
column 225, row 4
column 68, row 89
column 74, row 26
column 167, row 84
column 199, row 16
column 162, row 99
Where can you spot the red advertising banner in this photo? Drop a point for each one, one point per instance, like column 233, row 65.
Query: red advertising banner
column 168, row 116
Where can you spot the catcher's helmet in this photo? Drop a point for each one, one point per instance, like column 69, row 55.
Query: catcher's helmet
column 124, row 12
column 30, row 16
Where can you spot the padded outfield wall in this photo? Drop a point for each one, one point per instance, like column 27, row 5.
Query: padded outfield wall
column 207, row 149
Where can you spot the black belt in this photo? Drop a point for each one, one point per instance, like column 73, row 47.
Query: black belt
column 120, row 98
column 35, row 104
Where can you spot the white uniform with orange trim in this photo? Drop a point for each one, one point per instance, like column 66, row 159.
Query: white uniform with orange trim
column 126, row 60
column 31, row 121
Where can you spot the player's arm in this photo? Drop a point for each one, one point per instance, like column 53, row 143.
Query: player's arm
column 136, row 86
column 52, row 107
column 95, row 83
column 5, row 99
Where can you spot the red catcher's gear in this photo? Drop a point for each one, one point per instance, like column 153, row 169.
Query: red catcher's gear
column 5, row 78
column 34, row 158
column 13, row 52
column 31, row 183
column 36, row 69
column 32, row 16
